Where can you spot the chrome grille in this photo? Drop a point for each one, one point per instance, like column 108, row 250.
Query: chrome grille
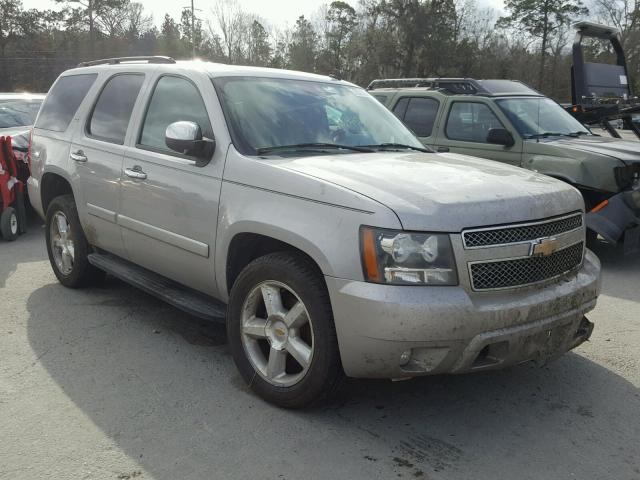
column 525, row 271
column 520, row 233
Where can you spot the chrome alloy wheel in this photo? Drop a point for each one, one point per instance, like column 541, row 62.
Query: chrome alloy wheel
column 62, row 243
column 277, row 333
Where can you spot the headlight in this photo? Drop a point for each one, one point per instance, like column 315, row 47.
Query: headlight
column 403, row 258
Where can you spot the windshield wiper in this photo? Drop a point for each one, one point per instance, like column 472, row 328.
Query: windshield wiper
column 311, row 146
column 396, row 146
column 556, row 134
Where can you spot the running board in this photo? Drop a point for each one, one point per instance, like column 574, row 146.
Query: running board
column 184, row 298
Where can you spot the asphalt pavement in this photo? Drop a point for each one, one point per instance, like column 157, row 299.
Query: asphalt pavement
column 110, row 383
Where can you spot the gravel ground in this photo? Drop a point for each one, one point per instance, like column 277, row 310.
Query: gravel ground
column 110, row 383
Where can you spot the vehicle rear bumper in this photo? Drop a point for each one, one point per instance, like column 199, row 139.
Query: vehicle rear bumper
column 403, row 331
column 33, row 187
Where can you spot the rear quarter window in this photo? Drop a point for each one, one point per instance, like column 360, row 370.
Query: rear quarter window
column 380, row 97
column 63, row 101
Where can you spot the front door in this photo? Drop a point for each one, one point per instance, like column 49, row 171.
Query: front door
column 97, row 153
column 169, row 201
column 465, row 127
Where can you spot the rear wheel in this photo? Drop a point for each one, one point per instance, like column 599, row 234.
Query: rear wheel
column 67, row 246
column 9, row 225
column 281, row 331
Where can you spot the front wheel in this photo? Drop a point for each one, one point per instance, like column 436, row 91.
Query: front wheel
column 9, row 225
column 281, row 331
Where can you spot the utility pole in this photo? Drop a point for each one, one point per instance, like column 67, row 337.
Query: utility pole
column 193, row 31
column 193, row 28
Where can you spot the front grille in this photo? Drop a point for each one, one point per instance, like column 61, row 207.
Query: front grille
column 520, row 233
column 525, row 271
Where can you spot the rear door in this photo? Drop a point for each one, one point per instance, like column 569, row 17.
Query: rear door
column 53, row 132
column 464, row 129
column 97, row 153
column 169, row 201
column 420, row 115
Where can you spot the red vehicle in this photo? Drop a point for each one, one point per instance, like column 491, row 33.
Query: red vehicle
column 12, row 190
column 17, row 114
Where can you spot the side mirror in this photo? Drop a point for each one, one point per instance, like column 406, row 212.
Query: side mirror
column 186, row 138
column 500, row 136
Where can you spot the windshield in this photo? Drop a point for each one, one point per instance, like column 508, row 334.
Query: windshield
column 265, row 113
column 18, row 113
column 539, row 116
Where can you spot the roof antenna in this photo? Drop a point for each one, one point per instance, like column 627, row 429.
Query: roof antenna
column 335, row 75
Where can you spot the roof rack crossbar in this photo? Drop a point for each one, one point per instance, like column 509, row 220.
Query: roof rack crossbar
column 119, row 60
column 450, row 85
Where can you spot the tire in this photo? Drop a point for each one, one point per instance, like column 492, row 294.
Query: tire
column 79, row 272
column 252, row 343
column 21, row 210
column 9, row 224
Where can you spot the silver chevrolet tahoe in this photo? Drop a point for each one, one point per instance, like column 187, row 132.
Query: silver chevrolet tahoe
column 302, row 212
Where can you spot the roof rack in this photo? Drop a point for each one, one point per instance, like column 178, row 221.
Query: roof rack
column 460, row 86
column 456, row 86
column 118, row 60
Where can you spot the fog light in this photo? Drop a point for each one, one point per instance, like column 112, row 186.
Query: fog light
column 405, row 357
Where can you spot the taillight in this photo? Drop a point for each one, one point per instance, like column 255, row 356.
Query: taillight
column 29, row 149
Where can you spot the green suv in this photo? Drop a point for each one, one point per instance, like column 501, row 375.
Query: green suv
column 509, row 122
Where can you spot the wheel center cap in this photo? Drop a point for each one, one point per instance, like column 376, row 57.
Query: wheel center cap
column 277, row 333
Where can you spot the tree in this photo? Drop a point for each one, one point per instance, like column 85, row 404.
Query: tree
column 541, row 19
column 91, row 12
column 259, row 48
column 302, row 49
column 231, row 21
column 10, row 12
column 341, row 19
column 194, row 35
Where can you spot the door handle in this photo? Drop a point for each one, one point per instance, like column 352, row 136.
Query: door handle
column 135, row 172
column 443, row 149
column 78, row 156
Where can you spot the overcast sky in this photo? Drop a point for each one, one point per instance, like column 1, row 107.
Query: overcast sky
column 276, row 12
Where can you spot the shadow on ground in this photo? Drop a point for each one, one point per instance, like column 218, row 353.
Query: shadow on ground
column 163, row 386
column 13, row 253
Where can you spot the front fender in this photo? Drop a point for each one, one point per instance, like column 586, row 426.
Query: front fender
column 329, row 234
column 594, row 173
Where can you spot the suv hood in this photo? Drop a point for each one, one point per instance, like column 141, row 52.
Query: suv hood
column 625, row 150
column 444, row 192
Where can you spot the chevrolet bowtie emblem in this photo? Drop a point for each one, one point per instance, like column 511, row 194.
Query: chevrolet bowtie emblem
column 544, row 247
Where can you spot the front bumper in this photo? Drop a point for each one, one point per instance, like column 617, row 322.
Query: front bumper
column 402, row 331
column 620, row 218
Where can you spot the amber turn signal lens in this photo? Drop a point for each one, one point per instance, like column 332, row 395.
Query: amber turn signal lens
column 599, row 207
column 370, row 256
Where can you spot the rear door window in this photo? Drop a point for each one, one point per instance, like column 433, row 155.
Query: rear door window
column 110, row 117
column 381, row 98
column 401, row 107
column 63, row 101
column 421, row 115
